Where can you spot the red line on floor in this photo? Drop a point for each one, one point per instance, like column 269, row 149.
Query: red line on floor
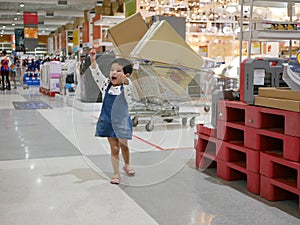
column 153, row 145
column 147, row 142
column 185, row 148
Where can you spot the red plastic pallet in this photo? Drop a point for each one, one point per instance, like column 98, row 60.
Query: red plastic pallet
column 273, row 190
column 231, row 111
column 230, row 171
column 204, row 160
column 231, row 131
column 205, row 130
column 208, row 144
column 265, row 140
column 240, row 156
column 48, row 92
column 287, row 172
column 276, row 120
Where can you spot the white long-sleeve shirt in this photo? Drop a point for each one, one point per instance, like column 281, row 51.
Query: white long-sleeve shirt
column 103, row 82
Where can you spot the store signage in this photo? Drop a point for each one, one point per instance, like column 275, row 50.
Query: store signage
column 130, row 7
column 63, row 39
column 13, row 42
column 86, row 32
column 19, row 39
column 30, row 32
column 76, row 40
column 30, row 43
column 30, row 20
column 97, row 34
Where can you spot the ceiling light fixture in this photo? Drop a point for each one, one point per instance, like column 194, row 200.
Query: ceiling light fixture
column 22, row 4
column 18, row 13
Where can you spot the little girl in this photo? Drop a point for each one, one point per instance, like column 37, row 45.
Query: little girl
column 114, row 121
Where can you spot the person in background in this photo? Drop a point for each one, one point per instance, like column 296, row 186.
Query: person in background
column 31, row 68
column 13, row 74
column 5, row 68
column 114, row 121
column 23, row 73
column 37, row 64
column 18, row 69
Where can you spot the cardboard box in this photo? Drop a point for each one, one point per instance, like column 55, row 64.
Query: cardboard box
column 126, row 34
column 69, row 26
column 163, row 44
column 98, row 10
column 291, row 105
column 279, row 93
column 86, row 15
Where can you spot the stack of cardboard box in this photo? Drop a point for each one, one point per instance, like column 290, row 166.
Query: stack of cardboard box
column 280, row 98
column 160, row 43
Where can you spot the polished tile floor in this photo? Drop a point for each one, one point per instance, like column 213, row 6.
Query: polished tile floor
column 53, row 171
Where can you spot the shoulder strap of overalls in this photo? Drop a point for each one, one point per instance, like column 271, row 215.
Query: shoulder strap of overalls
column 110, row 84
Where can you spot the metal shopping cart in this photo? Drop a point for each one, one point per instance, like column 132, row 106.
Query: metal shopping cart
column 161, row 91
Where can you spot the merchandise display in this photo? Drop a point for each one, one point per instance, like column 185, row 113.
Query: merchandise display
column 67, row 75
column 50, row 76
column 31, row 78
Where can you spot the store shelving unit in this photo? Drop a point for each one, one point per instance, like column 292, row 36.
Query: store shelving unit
column 208, row 24
column 272, row 35
column 5, row 46
column 264, row 35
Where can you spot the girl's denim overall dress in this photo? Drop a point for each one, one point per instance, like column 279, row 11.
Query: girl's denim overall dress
column 114, row 120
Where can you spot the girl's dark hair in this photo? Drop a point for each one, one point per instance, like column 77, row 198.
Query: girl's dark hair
column 126, row 64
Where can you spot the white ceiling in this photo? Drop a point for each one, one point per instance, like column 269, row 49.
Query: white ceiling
column 62, row 13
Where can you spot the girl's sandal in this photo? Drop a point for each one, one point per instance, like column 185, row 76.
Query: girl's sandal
column 115, row 180
column 129, row 172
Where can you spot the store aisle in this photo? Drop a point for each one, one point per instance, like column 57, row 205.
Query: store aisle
column 54, row 171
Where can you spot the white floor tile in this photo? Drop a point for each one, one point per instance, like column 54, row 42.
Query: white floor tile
column 7, row 99
column 62, row 191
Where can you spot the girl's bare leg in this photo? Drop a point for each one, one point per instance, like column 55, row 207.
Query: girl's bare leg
column 115, row 150
column 126, row 156
column 125, row 151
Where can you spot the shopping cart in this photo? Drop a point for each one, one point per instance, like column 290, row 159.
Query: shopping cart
column 160, row 91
